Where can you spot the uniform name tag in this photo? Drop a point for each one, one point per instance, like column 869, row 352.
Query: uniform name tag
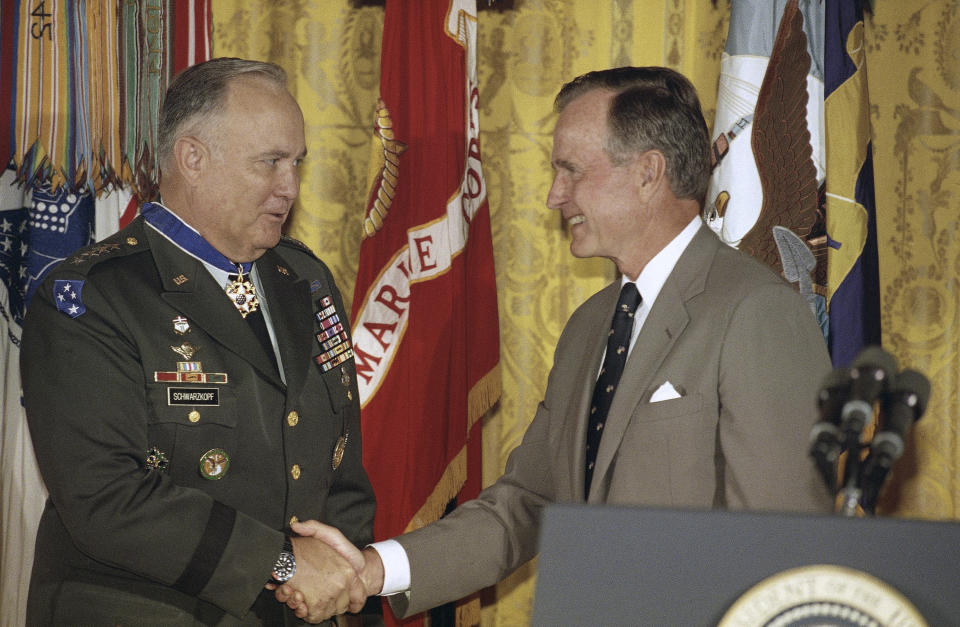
column 193, row 396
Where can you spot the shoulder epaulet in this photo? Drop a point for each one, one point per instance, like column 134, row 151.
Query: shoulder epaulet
column 124, row 242
column 297, row 244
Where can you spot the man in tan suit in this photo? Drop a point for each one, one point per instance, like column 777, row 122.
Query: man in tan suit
column 722, row 363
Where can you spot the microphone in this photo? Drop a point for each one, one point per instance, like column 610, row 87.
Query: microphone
column 870, row 374
column 903, row 404
column 826, row 439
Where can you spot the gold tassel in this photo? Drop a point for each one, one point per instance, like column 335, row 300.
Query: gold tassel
column 483, row 396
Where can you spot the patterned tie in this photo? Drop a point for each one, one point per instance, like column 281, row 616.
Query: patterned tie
column 613, row 362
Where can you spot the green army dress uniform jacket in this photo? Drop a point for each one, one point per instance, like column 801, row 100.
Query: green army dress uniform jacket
column 168, row 499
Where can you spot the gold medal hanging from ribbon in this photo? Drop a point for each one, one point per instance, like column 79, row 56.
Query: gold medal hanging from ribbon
column 243, row 294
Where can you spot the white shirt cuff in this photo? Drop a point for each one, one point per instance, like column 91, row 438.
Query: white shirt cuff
column 396, row 567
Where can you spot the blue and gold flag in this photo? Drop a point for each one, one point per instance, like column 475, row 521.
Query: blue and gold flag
column 852, row 268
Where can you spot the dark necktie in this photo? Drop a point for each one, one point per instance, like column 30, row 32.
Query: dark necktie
column 259, row 326
column 618, row 345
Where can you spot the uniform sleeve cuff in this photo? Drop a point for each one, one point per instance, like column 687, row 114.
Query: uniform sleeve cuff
column 396, row 567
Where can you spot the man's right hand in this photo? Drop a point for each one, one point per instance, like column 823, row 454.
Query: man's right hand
column 325, row 583
column 367, row 565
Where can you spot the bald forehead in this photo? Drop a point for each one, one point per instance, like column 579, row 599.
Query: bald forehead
column 243, row 87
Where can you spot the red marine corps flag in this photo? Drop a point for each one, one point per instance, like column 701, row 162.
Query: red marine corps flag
column 425, row 330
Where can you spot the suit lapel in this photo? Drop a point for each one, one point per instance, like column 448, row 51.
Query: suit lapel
column 292, row 322
column 663, row 326
column 189, row 287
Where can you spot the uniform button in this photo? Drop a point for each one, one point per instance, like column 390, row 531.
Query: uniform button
column 194, row 416
column 132, row 241
column 293, row 519
column 349, row 395
column 295, row 471
column 293, row 418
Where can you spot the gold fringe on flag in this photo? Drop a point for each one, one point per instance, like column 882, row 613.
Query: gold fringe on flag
column 480, row 399
column 447, row 487
column 483, row 396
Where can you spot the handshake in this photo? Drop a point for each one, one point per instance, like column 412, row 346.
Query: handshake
column 332, row 575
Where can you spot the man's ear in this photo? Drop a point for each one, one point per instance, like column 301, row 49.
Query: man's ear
column 651, row 169
column 190, row 158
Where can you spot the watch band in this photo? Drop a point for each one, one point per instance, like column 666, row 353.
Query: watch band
column 286, row 564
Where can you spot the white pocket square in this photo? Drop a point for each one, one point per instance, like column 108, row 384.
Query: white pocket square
column 664, row 393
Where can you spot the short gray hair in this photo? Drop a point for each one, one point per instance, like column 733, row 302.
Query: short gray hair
column 200, row 91
column 654, row 108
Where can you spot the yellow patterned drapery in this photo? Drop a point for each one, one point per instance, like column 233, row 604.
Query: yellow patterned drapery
column 914, row 83
column 528, row 48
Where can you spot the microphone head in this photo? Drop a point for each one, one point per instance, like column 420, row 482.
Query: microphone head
column 835, row 380
column 915, row 388
column 871, row 360
column 871, row 374
column 833, row 394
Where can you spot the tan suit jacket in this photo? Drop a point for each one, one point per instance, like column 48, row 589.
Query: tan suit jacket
column 742, row 348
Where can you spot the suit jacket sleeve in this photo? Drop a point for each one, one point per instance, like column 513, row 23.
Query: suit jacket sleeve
column 485, row 539
column 482, row 541
column 772, row 359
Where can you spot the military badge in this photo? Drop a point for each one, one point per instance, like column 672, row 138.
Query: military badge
column 334, row 342
column 93, row 252
column 338, row 450
column 185, row 350
column 189, row 377
column 155, row 460
column 181, row 326
column 68, row 299
column 331, row 359
column 214, row 464
column 190, row 372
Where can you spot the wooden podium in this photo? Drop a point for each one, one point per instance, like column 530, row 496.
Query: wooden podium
column 644, row 566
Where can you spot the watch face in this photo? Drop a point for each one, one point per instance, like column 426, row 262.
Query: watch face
column 284, row 567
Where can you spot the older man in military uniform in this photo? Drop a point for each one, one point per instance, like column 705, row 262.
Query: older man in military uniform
column 190, row 388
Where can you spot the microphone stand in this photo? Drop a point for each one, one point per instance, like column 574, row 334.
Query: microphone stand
column 851, row 492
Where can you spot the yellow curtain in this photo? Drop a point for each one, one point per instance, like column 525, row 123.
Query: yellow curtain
column 914, row 84
column 527, row 49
